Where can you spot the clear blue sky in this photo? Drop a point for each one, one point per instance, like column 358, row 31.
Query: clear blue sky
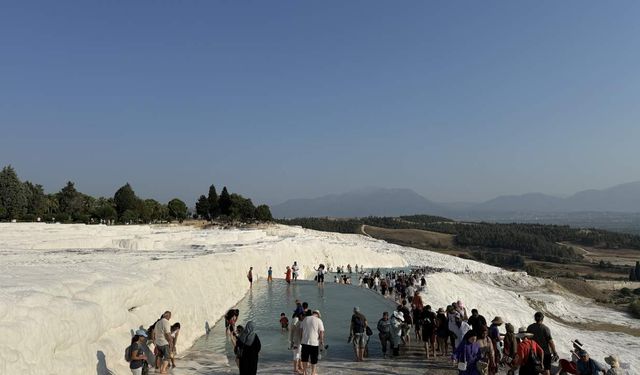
column 458, row 100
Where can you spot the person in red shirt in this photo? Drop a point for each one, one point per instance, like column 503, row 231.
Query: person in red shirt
column 288, row 275
column 530, row 355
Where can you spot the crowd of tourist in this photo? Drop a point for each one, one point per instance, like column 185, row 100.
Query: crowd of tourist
column 475, row 346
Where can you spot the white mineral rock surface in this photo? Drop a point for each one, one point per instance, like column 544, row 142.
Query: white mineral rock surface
column 70, row 295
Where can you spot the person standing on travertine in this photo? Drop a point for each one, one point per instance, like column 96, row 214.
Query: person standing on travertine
column 312, row 338
column 164, row 340
column 295, row 269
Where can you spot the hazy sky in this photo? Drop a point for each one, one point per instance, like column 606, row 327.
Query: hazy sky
column 458, row 100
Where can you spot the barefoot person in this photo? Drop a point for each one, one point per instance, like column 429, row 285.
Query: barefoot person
column 357, row 333
column 250, row 277
column 175, row 331
column 138, row 359
column 312, row 338
column 164, row 341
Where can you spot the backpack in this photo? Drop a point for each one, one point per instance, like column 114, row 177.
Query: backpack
column 358, row 324
column 127, row 353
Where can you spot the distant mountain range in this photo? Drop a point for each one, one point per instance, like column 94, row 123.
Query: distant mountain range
column 623, row 198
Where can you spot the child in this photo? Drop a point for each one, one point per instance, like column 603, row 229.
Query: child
column 284, row 322
column 175, row 331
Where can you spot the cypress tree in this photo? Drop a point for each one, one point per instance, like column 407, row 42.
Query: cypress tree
column 632, row 275
column 202, row 207
column 13, row 200
column 637, row 271
column 214, row 208
column 225, row 202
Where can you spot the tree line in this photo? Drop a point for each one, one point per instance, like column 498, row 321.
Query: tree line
column 500, row 244
column 26, row 201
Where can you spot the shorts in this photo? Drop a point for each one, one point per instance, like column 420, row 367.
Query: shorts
column 359, row 340
column 309, row 352
column 297, row 353
column 320, row 278
column 164, row 352
column 136, row 371
column 547, row 361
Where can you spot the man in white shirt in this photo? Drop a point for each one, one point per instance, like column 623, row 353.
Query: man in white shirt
column 164, row 340
column 312, row 339
column 295, row 270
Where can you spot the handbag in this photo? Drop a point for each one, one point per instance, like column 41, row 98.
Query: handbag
column 368, row 331
column 462, row 365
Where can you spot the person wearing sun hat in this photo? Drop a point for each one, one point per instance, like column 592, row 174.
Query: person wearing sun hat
column 526, row 347
column 613, row 361
column 397, row 321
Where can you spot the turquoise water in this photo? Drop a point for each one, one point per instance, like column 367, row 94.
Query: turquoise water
column 212, row 353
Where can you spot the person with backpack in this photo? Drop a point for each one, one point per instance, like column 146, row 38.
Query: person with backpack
column 542, row 335
column 134, row 354
column 357, row 333
column 429, row 324
column 530, row 355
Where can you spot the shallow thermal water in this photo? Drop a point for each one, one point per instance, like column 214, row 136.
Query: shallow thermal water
column 213, row 354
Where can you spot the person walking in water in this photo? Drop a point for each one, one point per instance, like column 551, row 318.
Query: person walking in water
column 248, row 347
column 250, row 277
column 357, row 333
column 384, row 333
column 312, row 339
column 287, row 275
column 295, row 270
column 270, row 274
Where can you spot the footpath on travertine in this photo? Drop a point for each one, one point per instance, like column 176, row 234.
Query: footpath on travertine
column 412, row 361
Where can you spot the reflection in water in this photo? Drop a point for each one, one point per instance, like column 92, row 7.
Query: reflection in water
column 213, row 354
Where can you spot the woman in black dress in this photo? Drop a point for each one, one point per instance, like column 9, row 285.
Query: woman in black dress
column 247, row 349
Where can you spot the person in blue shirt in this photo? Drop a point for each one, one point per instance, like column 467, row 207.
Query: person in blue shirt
column 587, row 366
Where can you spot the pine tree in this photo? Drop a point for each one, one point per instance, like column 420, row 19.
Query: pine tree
column 13, row 199
column 225, row 202
column 214, row 204
column 177, row 209
column 202, row 207
column 70, row 201
column 125, row 199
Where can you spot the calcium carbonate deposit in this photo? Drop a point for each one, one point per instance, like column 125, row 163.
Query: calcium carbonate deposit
column 70, row 295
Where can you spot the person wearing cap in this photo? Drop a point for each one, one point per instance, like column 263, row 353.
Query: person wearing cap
column 587, row 366
column 397, row 322
column 357, row 335
column 164, row 341
column 613, row 361
column 138, row 358
column 542, row 335
column 530, row 355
